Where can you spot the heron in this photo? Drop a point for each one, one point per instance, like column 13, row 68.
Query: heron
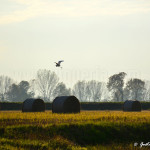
column 58, row 63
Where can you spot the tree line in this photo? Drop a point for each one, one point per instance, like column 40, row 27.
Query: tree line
column 46, row 85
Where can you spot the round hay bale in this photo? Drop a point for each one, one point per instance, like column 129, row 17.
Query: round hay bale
column 66, row 104
column 132, row 105
column 33, row 105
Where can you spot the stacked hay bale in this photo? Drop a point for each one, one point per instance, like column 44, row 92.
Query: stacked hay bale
column 66, row 104
column 132, row 105
column 33, row 105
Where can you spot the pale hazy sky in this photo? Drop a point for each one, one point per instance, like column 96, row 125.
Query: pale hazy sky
column 95, row 38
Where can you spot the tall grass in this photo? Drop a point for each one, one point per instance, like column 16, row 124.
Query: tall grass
column 45, row 118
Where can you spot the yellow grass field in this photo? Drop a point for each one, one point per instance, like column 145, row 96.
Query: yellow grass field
column 8, row 118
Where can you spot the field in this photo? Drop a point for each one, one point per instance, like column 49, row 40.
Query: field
column 88, row 130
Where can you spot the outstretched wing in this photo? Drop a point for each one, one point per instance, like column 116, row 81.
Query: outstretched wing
column 60, row 61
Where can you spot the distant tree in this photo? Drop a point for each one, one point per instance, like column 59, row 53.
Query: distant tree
column 61, row 90
column 18, row 93
column 80, row 90
column 46, row 82
column 94, row 90
column 13, row 93
column 24, row 87
column 5, row 83
column 147, row 91
column 32, row 88
column 106, row 95
column 116, row 84
column 88, row 91
column 135, row 89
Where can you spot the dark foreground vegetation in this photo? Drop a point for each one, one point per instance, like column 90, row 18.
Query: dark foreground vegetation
column 66, row 136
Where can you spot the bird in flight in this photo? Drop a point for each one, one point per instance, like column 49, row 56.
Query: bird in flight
column 58, row 63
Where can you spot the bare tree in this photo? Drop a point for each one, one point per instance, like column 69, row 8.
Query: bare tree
column 46, row 82
column 89, row 91
column 106, row 97
column 94, row 90
column 147, row 91
column 5, row 83
column 80, row 90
